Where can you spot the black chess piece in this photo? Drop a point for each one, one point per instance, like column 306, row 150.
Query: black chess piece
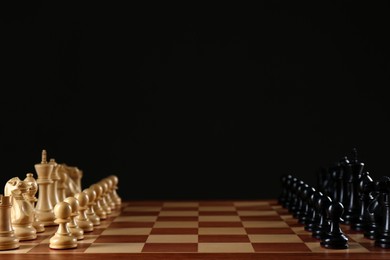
column 338, row 190
column 297, row 201
column 307, row 211
column 382, row 238
column 321, row 229
column 313, row 219
column 301, row 206
column 283, row 197
column 372, row 217
column 335, row 238
column 352, row 174
column 364, row 198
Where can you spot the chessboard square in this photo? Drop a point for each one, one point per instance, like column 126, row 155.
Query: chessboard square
column 23, row 248
column 308, row 238
column 144, row 203
column 360, row 238
column 179, row 213
column 39, row 239
column 271, row 238
column 261, row 218
column 171, row 247
column 103, row 224
column 176, row 224
column 172, row 239
column 122, row 239
column 250, row 203
column 179, row 209
column 217, row 213
column 181, row 204
column 257, row 213
column 223, row 238
column 293, row 223
column 222, row 231
column 143, row 209
column 174, row 218
column 96, row 231
column 140, row 213
column 135, row 218
column 264, row 224
column 89, row 239
column 225, row 248
column 215, row 208
column 288, row 217
column 127, row 231
column 115, row 248
column 174, row 231
column 280, row 247
column 300, row 230
column 269, row 231
column 220, row 224
column 353, row 248
column 130, row 224
column 216, row 203
column 219, row 218
column 370, row 246
column 254, row 208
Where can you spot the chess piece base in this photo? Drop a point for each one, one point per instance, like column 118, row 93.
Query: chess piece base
column 63, row 242
column 8, row 242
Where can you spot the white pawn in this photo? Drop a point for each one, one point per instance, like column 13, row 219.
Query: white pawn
column 91, row 203
column 8, row 240
column 63, row 238
column 72, row 225
column 114, row 194
column 82, row 219
column 103, row 202
column 98, row 206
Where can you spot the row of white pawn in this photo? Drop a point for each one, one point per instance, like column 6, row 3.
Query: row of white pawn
column 79, row 214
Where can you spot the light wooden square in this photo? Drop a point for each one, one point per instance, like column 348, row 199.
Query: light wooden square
column 176, row 224
column 127, row 231
column 225, row 248
column 264, row 224
column 115, row 248
column 353, row 248
column 222, row 231
column 172, row 239
column 280, row 238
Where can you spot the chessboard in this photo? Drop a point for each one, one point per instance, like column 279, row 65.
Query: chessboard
column 224, row 229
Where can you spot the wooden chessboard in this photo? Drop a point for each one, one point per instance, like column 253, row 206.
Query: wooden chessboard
column 259, row 229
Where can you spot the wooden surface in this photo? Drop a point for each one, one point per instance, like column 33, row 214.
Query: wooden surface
column 199, row 230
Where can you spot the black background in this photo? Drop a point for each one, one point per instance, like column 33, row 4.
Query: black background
column 195, row 101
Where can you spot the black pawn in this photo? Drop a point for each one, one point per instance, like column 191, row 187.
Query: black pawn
column 321, row 205
column 284, row 192
column 335, row 238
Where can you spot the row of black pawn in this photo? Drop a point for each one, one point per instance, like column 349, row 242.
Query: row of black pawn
column 316, row 211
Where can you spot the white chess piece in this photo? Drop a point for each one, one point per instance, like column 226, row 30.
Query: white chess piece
column 63, row 238
column 72, row 225
column 82, row 218
column 8, row 240
column 22, row 212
